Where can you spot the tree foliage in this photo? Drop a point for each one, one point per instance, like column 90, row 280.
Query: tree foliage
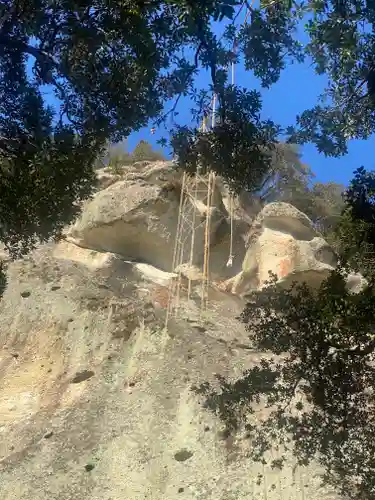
column 116, row 156
column 238, row 148
column 110, row 66
column 288, row 179
column 291, row 181
column 318, row 381
column 114, row 66
column 355, row 235
column 327, row 205
column 341, row 47
column 318, row 372
column 145, row 152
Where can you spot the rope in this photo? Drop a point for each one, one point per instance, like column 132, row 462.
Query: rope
column 213, row 122
column 231, row 256
column 204, row 123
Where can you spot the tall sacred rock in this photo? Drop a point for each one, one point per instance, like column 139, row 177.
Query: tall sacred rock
column 96, row 399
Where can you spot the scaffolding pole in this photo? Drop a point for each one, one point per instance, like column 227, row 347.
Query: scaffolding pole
column 193, row 190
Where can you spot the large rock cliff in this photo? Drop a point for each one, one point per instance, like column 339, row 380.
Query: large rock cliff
column 95, row 392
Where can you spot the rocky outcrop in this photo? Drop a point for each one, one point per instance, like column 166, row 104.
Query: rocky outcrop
column 106, row 178
column 95, row 393
column 131, row 219
column 137, row 218
column 283, row 241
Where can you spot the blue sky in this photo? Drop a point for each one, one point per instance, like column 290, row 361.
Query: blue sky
column 297, row 90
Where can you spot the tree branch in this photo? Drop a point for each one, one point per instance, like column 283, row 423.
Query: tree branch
column 194, row 68
column 42, row 57
column 202, row 44
column 24, row 47
column 354, row 351
column 8, row 16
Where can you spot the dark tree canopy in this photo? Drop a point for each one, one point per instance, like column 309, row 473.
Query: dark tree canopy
column 321, row 393
column 113, row 66
column 105, row 64
column 355, row 234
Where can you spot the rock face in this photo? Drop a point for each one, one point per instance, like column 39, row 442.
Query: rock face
column 106, row 178
column 95, row 394
column 137, row 218
column 282, row 240
column 129, row 219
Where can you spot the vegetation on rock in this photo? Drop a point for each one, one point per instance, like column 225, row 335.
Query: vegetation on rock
column 355, row 234
column 116, row 157
column 145, row 152
column 291, row 181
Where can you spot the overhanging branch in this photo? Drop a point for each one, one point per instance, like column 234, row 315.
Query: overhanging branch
column 43, row 58
column 20, row 46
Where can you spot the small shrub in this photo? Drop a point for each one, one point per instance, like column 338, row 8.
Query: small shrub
column 115, row 157
column 144, row 152
column 117, row 162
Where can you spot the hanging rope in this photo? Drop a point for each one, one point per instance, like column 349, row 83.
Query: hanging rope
column 209, row 119
column 213, row 121
column 206, row 259
column 231, row 211
column 231, row 256
column 204, row 123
